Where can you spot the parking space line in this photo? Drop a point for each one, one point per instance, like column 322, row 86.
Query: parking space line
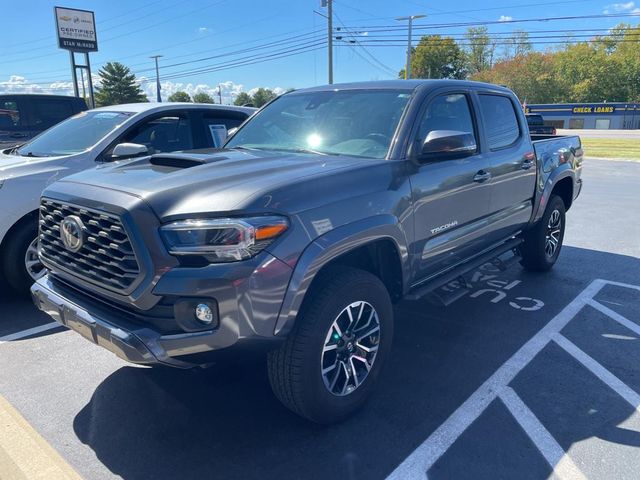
column 634, row 327
column 599, row 371
column 28, row 332
column 417, row 464
column 24, row 454
column 560, row 462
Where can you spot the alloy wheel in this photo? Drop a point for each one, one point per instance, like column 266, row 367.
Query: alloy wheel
column 552, row 237
column 32, row 263
column 350, row 348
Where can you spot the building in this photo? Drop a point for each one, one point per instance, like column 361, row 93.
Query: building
column 603, row 116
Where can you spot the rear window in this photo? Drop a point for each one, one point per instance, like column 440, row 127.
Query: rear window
column 501, row 121
column 535, row 120
column 48, row 112
column 9, row 114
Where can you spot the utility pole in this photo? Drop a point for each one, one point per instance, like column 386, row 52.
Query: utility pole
column 411, row 18
column 158, row 97
column 329, row 5
column 220, row 94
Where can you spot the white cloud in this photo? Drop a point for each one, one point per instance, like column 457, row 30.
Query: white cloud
column 628, row 7
column 229, row 89
column 505, row 18
column 204, row 29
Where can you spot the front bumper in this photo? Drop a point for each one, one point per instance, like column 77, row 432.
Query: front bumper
column 133, row 341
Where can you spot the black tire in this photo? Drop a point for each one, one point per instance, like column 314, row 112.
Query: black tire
column 535, row 252
column 295, row 370
column 13, row 256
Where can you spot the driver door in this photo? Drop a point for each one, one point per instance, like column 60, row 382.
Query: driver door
column 451, row 197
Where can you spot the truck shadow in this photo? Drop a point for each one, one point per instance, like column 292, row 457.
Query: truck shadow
column 224, row 422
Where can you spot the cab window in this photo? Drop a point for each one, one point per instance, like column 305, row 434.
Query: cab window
column 500, row 121
column 9, row 115
column 165, row 134
column 447, row 112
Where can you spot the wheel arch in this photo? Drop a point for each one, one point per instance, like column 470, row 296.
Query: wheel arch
column 377, row 245
column 31, row 216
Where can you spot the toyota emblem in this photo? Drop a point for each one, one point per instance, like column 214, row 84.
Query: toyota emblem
column 72, row 233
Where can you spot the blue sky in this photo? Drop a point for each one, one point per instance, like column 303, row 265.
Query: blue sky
column 130, row 31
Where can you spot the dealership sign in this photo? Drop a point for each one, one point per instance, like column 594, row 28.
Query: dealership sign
column 76, row 30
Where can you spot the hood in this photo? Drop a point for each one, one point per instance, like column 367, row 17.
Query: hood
column 16, row 165
column 224, row 181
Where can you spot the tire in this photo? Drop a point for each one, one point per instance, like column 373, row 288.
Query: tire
column 296, row 369
column 542, row 244
column 14, row 254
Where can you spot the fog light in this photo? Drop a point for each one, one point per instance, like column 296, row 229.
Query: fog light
column 204, row 313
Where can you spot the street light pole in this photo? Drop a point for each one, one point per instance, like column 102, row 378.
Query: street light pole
column 329, row 17
column 158, row 97
column 411, row 18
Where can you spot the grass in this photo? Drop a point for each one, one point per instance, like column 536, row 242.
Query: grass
column 628, row 148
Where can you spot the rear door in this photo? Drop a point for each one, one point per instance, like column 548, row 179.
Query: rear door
column 450, row 197
column 14, row 127
column 512, row 163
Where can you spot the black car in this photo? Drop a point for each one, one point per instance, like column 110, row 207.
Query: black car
column 24, row 116
column 537, row 126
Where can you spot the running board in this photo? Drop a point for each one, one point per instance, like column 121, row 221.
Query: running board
column 459, row 271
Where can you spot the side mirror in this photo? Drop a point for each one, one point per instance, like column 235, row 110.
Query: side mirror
column 447, row 145
column 128, row 150
column 232, row 131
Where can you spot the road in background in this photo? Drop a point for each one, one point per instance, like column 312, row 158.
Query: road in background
column 593, row 133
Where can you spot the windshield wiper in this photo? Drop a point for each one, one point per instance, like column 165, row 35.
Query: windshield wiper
column 31, row 154
column 302, row 150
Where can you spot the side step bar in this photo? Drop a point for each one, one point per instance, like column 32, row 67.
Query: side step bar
column 457, row 272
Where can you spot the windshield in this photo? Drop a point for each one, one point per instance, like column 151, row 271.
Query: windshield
column 74, row 135
column 348, row 122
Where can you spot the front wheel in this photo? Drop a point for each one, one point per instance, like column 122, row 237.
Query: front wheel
column 20, row 263
column 329, row 364
column 542, row 244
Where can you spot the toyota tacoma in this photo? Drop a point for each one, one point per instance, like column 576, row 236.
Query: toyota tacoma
column 326, row 207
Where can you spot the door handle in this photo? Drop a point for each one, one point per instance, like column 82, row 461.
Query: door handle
column 18, row 135
column 482, row 176
column 527, row 164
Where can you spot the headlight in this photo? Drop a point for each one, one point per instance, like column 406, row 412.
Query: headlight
column 222, row 239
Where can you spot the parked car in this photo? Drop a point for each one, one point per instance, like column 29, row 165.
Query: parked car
column 24, row 116
column 325, row 208
column 537, row 126
column 85, row 140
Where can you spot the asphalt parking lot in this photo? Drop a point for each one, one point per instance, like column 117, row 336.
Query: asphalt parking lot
column 526, row 376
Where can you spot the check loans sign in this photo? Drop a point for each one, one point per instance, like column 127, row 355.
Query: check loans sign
column 76, row 30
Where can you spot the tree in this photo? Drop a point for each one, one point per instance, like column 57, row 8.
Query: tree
column 518, row 44
column 118, row 85
column 479, row 48
column 179, row 96
column 202, row 97
column 242, row 99
column 262, row 96
column 437, row 57
column 532, row 77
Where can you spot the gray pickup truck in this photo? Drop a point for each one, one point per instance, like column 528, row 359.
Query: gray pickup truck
column 324, row 209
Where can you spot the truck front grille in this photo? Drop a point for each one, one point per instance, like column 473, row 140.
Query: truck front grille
column 105, row 257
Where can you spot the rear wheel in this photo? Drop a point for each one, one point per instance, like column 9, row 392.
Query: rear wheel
column 542, row 244
column 20, row 263
column 330, row 362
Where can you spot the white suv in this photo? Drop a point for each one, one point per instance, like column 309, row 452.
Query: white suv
column 83, row 141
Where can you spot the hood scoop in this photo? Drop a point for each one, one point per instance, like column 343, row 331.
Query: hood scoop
column 182, row 160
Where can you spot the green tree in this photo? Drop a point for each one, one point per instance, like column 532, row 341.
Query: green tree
column 480, row 49
column 437, row 57
column 179, row 96
column 202, row 97
column 262, row 96
column 243, row 98
column 118, row 85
